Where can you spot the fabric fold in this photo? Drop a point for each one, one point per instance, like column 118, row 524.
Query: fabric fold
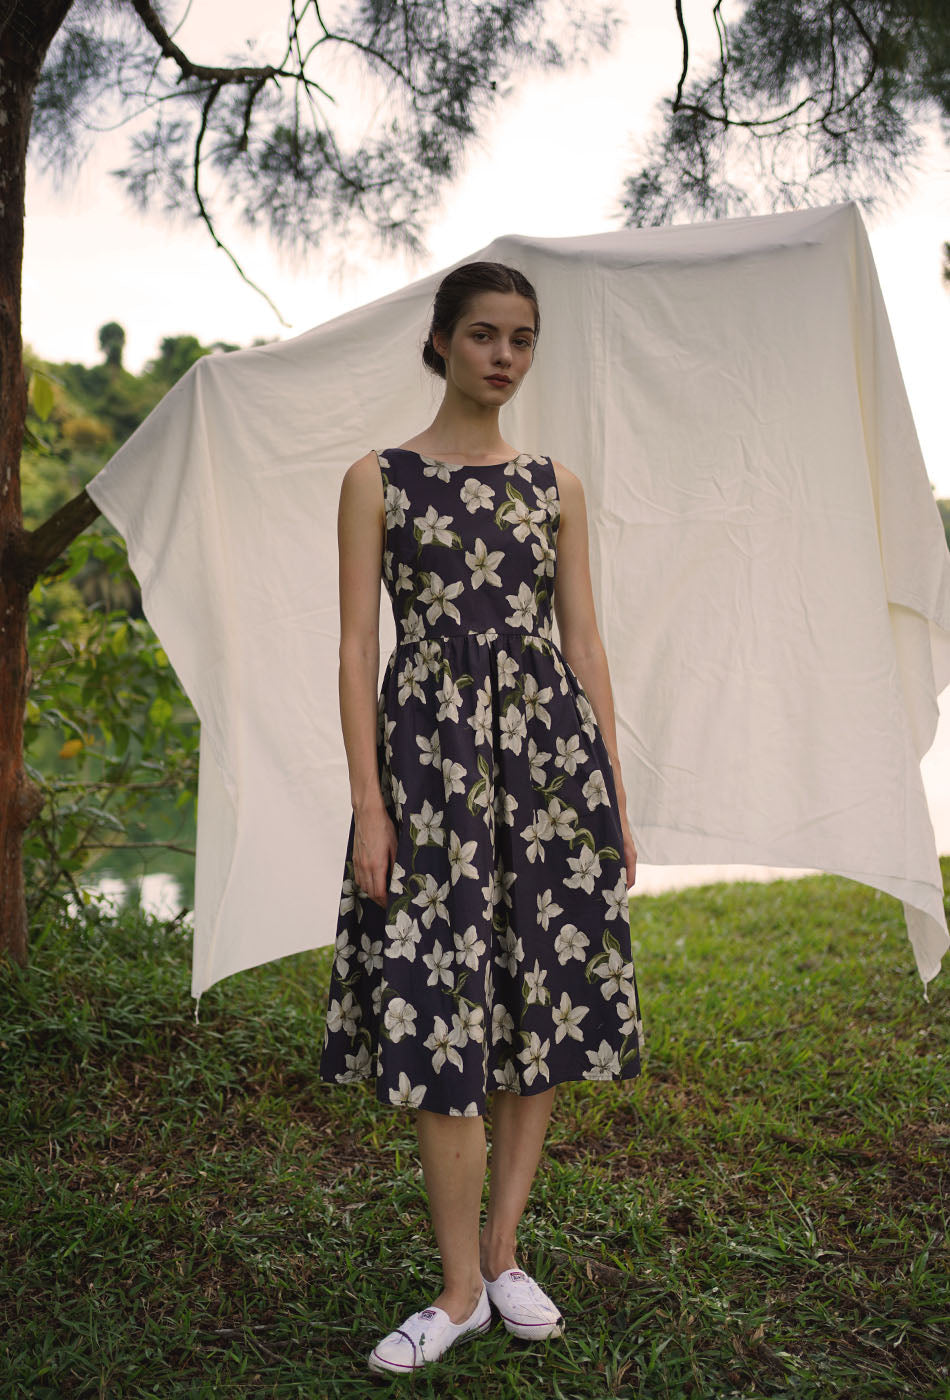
column 769, row 566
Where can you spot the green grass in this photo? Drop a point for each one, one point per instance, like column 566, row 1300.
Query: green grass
column 188, row 1212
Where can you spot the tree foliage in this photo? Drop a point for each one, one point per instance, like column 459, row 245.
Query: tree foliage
column 813, row 100
column 418, row 77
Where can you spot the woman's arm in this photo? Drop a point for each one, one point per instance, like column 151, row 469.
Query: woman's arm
column 361, row 531
column 580, row 639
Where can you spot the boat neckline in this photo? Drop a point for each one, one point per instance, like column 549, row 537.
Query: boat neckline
column 460, row 466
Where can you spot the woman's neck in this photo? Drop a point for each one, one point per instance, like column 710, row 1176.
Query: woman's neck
column 464, row 429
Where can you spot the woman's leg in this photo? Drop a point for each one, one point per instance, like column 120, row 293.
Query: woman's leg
column 519, row 1123
column 453, row 1156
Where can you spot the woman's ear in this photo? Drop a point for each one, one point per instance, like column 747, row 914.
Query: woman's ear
column 440, row 342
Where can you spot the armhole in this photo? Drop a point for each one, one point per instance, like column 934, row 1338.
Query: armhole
column 382, row 483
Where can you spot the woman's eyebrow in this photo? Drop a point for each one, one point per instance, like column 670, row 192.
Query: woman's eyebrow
column 489, row 327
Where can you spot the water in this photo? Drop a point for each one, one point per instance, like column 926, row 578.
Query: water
column 160, row 894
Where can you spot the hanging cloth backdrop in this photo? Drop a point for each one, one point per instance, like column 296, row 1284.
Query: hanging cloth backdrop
column 769, row 567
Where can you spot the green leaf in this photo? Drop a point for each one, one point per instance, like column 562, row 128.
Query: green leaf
column 41, row 394
column 159, row 712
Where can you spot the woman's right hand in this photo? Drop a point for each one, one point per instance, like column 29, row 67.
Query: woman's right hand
column 374, row 850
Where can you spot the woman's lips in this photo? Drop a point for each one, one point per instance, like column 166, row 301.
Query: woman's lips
column 497, row 379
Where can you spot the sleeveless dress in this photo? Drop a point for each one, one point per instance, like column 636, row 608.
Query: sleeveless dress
column 502, row 959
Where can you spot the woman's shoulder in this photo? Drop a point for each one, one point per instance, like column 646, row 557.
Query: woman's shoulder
column 567, row 481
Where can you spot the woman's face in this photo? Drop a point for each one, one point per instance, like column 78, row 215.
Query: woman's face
column 491, row 348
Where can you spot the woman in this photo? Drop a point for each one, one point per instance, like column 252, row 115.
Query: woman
column 483, row 943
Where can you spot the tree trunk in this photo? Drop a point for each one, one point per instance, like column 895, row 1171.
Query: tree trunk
column 26, row 29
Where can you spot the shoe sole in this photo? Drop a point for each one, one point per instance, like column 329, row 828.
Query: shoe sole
column 383, row 1367
column 533, row 1331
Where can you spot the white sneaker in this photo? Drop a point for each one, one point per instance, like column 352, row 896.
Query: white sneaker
column 526, row 1310
column 425, row 1336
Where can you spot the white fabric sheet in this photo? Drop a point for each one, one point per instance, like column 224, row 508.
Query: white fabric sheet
column 769, row 568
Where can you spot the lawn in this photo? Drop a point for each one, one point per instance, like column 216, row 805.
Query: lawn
column 188, row 1212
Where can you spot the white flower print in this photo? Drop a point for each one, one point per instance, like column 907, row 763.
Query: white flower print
column 468, row 1023
column 409, row 682
column 427, row 826
column 344, row 951
column 399, row 798
column 432, row 899
column 586, row 867
column 450, row 698
column 568, row 1019
column 441, row 964
column 511, row 951
column 442, row 1043
column 627, row 1011
column 344, row 1015
column 400, row 1019
column 357, row 1066
column 395, row 879
column 370, row 953
column 508, row 669
column 453, row 774
column 469, row 947
column 571, row 943
column 348, row 894
column 586, row 712
column 469, row 1111
column 524, row 607
column 433, row 467
column 460, row 857
column 569, row 753
column 507, row 1078
column 543, row 551
column 617, row 974
column 388, row 726
column 506, row 804
column 430, row 750
column 527, row 519
column 483, row 562
column 513, row 729
column 413, row 628
column 595, row 790
column 403, row 935
column 618, row 902
column 481, row 720
column 433, row 526
column 429, row 657
column 537, row 760
column 502, row 880
column 439, row 596
column 534, row 981
column 535, row 699
column 563, row 819
column 534, row 1056
column 605, row 1062
column 541, row 829
column 405, row 1095
column 502, row 1023
column 404, row 577
column 548, row 908
column 476, row 495
column 397, row 503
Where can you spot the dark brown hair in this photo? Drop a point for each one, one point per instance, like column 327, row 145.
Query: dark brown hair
column 457, row 290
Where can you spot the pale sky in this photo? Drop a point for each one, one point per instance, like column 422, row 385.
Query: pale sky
column 550, row 163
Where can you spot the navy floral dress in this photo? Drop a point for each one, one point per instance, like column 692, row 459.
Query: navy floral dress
column 502, row 959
